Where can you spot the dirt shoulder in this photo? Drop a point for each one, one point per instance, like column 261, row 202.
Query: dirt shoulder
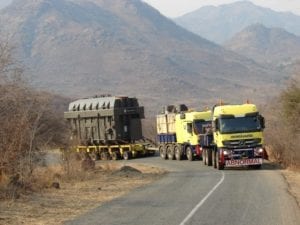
column 109, row 180
column 75, row 197
column 293, row 180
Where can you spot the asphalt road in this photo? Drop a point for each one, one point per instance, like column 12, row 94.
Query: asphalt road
column 196, row 194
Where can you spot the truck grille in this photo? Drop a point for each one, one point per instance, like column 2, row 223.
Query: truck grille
column 244, row 143
column 242, row 153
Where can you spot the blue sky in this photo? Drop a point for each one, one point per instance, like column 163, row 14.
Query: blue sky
column 174, row 8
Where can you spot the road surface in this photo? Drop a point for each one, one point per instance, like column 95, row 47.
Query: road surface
column 196, row 194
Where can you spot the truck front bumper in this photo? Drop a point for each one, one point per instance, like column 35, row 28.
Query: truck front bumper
column 243, row 162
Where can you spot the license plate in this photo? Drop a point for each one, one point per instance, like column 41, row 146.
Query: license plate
column 244, row 162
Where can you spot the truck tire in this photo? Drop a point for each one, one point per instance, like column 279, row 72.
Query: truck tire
column 178, row 152
column 162, row 152
column 209, row 157
column 218, row 164
column 170, row 152
column 214, row 164
column 189, row 153
column 204, row 156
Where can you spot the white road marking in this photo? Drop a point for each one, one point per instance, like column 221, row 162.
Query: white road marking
column 203, row 200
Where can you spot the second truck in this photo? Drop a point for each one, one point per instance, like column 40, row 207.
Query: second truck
column 179, row 131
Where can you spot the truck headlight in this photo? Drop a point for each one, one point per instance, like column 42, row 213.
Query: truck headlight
column 259, row 151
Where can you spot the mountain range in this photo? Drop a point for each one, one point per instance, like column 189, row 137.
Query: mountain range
column 85, row 47
column 273, row 46
column 221, row 23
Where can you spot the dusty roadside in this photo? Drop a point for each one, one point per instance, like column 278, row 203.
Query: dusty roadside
column 53, row 206
column 293, row 180
column 108, row 181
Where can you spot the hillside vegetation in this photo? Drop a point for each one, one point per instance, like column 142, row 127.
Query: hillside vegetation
column 283, row 134
column 30, row 122
column 88, row 47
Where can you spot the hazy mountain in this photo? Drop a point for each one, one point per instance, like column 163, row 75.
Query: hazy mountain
column 87, row 47
column 221, row 23
column 266, row 45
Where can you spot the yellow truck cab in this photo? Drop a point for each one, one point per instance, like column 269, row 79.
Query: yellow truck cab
column 237, row 137
column 178, row 133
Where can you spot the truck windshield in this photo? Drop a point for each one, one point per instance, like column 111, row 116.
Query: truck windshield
column 239, row 124
column 200, row 126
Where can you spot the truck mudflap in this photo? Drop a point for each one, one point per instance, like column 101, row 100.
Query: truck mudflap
column 243, row 162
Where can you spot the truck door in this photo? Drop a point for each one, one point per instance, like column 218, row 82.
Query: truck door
column 188, row 134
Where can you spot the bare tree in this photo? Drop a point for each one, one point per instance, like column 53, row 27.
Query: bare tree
column 283, row 133
column 29, row 120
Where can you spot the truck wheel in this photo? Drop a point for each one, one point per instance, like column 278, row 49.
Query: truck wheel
column 126, row 155
column 189, row 154
column 204, row 156
column 162, row 152
column 214, row 159
column 209, row 157
column 178, row 153
column 170, row 152
column 218, row 165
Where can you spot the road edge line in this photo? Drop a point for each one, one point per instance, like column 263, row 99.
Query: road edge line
column 189, row 216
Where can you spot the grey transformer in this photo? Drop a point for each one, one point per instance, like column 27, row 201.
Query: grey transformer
column 105, row 120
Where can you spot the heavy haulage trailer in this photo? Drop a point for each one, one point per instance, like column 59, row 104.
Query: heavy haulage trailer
column 236, row 137
column 179, row 131
column 108, row 127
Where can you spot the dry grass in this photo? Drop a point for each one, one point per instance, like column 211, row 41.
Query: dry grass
column 283, row 122
column 75, row 196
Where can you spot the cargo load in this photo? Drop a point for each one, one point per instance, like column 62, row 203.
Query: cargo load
column 107, row 125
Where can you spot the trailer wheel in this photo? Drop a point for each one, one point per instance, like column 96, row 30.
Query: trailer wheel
column 83, row 155
column 95, row 156
column 115, row 156
column 127, row 155
column 104, row 156
column 170, row 152
column 178, row 152
column 189, row 153
column 218, row 165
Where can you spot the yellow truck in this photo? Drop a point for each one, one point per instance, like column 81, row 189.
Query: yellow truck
column 179, row 131
column 236, row 138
